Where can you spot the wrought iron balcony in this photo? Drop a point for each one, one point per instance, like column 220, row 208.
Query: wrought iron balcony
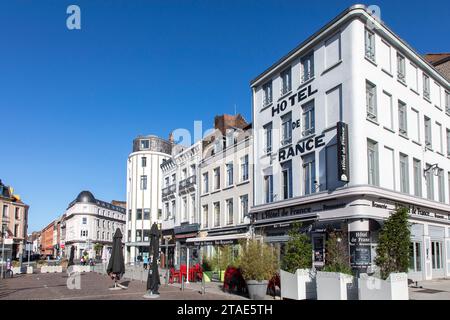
column 188, row 183
column 168, row 191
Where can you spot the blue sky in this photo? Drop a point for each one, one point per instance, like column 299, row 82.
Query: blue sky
column 72, row 101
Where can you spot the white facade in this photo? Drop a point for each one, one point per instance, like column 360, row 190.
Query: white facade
column 143, row 193
column 90, row 221
column 361, row 74
column 180, row 197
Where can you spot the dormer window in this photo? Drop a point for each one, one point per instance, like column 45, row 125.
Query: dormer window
column 145, row 144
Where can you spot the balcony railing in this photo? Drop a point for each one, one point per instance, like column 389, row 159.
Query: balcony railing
column 167, row 191
column 187, row 183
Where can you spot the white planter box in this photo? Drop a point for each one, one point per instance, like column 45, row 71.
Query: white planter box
column 16, row 270
column 300, row 285
column 80, row 269
column 395, row 287
column 336, row 286
column 51, row 269
column 29, row 270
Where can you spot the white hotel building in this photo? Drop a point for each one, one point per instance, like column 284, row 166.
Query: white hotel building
column 393, row 114
column 144, row 193
column 90, row 221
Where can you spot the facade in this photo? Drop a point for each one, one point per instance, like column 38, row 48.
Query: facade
column 46, row 240
column 35, row 242
column 14, row 223
column 89, row 221
column 348, row 126
column 180, row 200
column 143, row 203
column 225, row 184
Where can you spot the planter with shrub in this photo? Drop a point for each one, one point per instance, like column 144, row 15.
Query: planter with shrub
column 258, row 265
column 297, row 279
column 336, row 281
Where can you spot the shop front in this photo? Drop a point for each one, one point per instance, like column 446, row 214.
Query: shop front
column 182, row 253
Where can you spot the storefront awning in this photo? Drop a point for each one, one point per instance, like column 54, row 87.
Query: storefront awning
column 218, row 240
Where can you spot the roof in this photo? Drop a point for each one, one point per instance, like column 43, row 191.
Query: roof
column 437, row 58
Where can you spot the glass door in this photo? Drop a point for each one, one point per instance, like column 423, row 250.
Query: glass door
column 436, row 258
column 415, row 256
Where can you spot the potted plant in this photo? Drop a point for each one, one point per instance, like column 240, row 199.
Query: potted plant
column 392, row 260
column 297, row 279
column 258, row 265
column 336, row 281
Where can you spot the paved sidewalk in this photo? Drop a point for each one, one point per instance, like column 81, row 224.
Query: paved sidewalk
column 93, row 286
column 431, row 290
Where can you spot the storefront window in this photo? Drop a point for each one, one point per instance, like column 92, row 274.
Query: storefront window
column 415, row 256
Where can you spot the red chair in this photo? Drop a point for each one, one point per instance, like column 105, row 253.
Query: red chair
column 174, row 274
column 183, row 272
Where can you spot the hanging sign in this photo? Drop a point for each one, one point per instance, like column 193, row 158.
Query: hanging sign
column 342, row 152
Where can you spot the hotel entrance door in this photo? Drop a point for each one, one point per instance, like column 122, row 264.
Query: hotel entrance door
column 436, row 259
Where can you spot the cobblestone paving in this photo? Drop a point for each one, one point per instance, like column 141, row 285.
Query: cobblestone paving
column 94, row 286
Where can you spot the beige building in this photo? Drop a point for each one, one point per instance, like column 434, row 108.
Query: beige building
column 14, row 222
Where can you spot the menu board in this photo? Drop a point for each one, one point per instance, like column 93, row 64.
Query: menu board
column 360, row 249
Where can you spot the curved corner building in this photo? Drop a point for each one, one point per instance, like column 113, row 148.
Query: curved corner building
column 143, row 193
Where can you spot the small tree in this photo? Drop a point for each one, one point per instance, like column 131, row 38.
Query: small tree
column 257, row 261
column 298, row 254
column 393, row 244
column 337, row 258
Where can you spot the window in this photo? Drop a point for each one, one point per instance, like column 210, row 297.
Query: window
column 401, row 70
column 104, row 223
column 307, row 66
column 286, row 81
column 387, row 180
column 146, row 235
column 84, row 220
column 286, row 129
column 268, row 188
column 138, row 235
column 372, row 162
column 192, row 207
column 309, row 174
column 308, row 118
column 146, row 214
column 192, row 170
column 129, row 215
column 5, row 211
column 216, row 214
column 109, row 224
column 268, row 137
column 448, row 142
column 287, row 179
column 371, row 101
column 230, row 211
column 370, row 45
column 415, row 256
column 218, row 145
column 244, row 207
column 440, row 139
column 447, row 102
column 205, row 182
column 428, row 141
column 166, row 181
column 426, row 87
column 229, row 174
column 138, row 214
column 267, row 94
column 217, row 178
column 145, row 144
column 173, row 178
column 205, row 216
column 98, row 223
column 404, row 173
column 166, row 210
column 441, row 185
column 144, row 161
column 184, row 173
column 438, row 96
column 103, row 234
column 185, row 208
column 244, row 168
column 172, row 213
column 402, row 119
column 414, row 125
column 143, row 182
column 417, row 167
column 429, row 180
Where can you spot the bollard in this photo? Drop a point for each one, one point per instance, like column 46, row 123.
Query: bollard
column 182, row 283
column 203, row 285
